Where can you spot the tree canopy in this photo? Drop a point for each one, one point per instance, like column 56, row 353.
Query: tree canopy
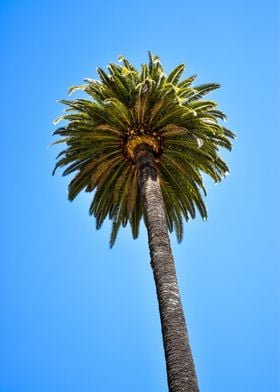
column 127, row 108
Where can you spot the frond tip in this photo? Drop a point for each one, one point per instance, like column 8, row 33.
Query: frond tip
column 125, row 109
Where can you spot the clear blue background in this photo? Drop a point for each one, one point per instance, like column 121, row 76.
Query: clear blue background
column 77, row 316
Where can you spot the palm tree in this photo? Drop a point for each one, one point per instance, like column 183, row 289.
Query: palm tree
column 141, row 142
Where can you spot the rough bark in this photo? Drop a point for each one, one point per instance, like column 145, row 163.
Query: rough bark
column 179, row 362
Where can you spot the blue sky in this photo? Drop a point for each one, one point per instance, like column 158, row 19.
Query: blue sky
column 77, row 316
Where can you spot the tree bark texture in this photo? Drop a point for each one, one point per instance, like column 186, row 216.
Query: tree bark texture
column 179, row 362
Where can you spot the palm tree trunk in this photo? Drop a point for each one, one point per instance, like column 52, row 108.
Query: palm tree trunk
column 179, row 362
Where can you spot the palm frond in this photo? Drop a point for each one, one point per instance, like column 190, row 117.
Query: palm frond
column 175, row 75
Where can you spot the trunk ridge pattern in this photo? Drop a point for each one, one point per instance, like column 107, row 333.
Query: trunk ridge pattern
column 179, row 362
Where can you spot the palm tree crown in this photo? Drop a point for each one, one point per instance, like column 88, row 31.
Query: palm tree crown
column 125, row 109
